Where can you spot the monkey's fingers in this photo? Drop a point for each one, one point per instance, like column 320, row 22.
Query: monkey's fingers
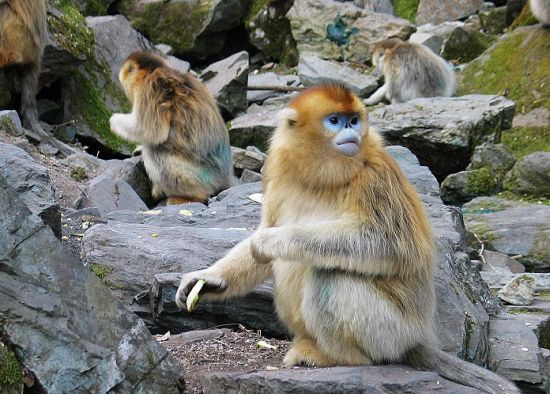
column 212, row 285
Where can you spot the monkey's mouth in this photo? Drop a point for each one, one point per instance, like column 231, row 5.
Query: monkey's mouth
column 349, row 146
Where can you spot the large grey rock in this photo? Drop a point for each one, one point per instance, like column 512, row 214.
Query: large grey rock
column 127, row 40
column 254, row 127
column 109, row 194
column 466, row 185
column 444, row 131
column 32, row 183
column 268, row 79
column 530, row 175
column 493, row 20
column 438, row 11
column 498, row 279
column 512, row 227
column 227, row 81
column 63, row 322
column 339, row 380
column 342, row 31
column 313, row 70
column 519, row 291
column 192, row 237
column 12, row 116
column 514, row 350
column 250, row 158
column 434, row 36
column 382, row 6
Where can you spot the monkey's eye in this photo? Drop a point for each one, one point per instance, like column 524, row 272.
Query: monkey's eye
column 334, row 122
column 355, row 123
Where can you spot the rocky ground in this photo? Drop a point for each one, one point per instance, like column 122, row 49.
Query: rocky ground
column 83, row 232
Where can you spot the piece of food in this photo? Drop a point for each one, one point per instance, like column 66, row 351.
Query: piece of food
column 193, row 296
column 264, row 345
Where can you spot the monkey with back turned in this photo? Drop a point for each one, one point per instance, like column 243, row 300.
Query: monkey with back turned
column 345, row 238
column 185, row 142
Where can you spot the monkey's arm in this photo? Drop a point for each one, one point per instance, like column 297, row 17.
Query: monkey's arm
column 234, row 275
column 377, row 96
column 341, row 244
column 125, row 125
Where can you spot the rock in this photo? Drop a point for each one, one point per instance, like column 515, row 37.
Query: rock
column 205, row 234
column 337, row 380
column 91, row 164
column 514, row 350
column 513, row 9
column 194, row 29
column 108, row 194
column 116, row 51
column 539, row 117
column 382, row 6
column 254, row 127
column 493, row 20
column 464, row 186
column 13, row 116
column 519, row 291
column 443, row 131
column 495, row 262
column 496, row 157
column 530, row 175
column 67, row 329
column 500, row 278
column 438, row 11
column 132, row 171
column 269, row 31
column 32, row 183
column 434, row 36
column 227, row 81
column 509, row 66
column 94, row 7
column 342, row 31
column 92, row 211
column 268, row 79
column 463, row 45
column 177, row 64
column 513, row 228
column 313, row 70
column 250, row 176
column 165, row 49
column 250, row 158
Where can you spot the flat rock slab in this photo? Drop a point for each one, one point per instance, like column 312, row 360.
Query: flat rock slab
column 32, row 182
column 313, row 70
column 339, row 380
column 111, row 194
column 66, row 326
column 254, row 127
column 443, row 131
column 512, row 227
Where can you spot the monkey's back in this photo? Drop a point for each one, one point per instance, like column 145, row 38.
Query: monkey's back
column 417, row 72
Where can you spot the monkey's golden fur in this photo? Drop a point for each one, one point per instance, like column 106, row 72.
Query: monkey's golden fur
column 185, row 141
column 23, row 36
column 349, row 247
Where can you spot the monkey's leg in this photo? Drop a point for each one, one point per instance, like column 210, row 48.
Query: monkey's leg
column 304, row 351
column 377, row 96
column 29, row 88
column 235, row 274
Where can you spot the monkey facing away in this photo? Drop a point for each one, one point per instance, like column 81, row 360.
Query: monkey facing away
column 541, row 10
column 185, row 142
column 410, row 71
column 348, row 245
column 23, row 36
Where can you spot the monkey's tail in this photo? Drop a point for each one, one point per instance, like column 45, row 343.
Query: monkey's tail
column 451, row 367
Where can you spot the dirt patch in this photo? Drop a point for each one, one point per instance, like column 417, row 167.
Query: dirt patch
column 223, row 350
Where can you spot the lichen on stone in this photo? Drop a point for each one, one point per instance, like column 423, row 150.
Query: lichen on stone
column 70, row 29
column 11, row 376
column 406, row 9
column 483, row 181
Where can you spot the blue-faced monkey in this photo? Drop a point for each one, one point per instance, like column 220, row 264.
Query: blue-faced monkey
column 345, row 238
column 185, row 142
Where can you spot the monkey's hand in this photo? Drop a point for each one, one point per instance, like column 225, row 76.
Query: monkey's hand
column 215, row 284
column 262, row 244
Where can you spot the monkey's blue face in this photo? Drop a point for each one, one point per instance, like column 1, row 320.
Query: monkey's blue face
column 346, row 131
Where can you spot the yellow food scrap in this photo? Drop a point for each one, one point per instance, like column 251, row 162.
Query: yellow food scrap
column 193, row 296
column 186, row 212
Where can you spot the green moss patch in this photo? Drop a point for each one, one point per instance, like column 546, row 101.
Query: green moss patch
column 101, row 271
column 70, row 29
column 526, row 18
column 406, row 9
column 175, row 24
column 11, row 376
column 97, row 7
column 483, row 181
column 518, row 66
column 522, row 141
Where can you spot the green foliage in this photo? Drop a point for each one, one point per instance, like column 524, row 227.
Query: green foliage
column 101, row 271
column 79, row 174
column 255, row 8
column 406, row 9
column 526, row 18
column 11, row 376
column 97, row 7
column 522, row 141
column 70, row 29
column 524, row 198
column 483, row 181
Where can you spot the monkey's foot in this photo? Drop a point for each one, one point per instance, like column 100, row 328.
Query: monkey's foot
column 178, row 200
column 304, row 351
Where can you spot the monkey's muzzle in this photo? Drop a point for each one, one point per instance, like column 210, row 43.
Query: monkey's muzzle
column 348, row 145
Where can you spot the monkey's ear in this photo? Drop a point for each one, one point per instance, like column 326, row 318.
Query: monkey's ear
column 287, row 117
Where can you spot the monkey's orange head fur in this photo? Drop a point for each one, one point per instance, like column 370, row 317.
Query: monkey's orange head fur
column 322, row 132
column 134, row 70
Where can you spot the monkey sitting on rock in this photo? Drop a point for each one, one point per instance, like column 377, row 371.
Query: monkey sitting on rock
column 185, row 142
column 345, row 238
column 410, row 71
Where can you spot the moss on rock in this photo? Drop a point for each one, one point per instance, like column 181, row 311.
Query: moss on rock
column 11, row 375
column 463, row 45
column 70, row 29
column 522, row 141
column 525, row 18
column 483, row 181
column 406, row 9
